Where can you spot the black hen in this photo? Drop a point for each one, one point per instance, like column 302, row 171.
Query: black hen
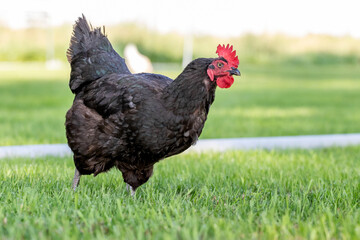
column 131, row 121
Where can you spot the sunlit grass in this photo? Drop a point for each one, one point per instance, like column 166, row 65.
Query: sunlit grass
column 235, row 195
column 287, row 100
column 33, row 103
column 258, row 112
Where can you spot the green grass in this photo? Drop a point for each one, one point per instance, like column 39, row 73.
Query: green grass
column 267, row 100
column 236, row 195
column 33, row 103
column 284, row 100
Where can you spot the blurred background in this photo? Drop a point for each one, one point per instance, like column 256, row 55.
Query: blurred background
column 300, row 61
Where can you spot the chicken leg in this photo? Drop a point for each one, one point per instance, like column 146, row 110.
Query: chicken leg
column 76, row 179
column 130, row 189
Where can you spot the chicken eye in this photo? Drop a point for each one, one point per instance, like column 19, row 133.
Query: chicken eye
column 219, row 64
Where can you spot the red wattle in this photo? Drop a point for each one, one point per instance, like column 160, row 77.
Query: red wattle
column 225, row 82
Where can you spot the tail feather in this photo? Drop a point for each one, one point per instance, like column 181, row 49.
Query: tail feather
column 79, row 39
column 91, row 55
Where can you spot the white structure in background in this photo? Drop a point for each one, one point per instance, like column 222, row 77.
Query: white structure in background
column 42, row 19
column 188, row 50
column 135, row 61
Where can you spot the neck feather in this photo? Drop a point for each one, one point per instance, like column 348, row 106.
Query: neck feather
column 191, row 89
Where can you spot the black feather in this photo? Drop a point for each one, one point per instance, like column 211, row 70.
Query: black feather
column 91, row 55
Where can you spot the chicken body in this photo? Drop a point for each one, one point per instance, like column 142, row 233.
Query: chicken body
column 130, row 121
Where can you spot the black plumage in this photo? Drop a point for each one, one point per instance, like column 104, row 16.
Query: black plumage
column 130, row 121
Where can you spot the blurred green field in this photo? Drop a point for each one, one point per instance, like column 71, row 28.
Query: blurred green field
column 267, row 100
column 235, row 195
column 38, row 44
column 282, row 100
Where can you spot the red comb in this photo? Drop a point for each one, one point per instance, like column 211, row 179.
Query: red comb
column 228, row 53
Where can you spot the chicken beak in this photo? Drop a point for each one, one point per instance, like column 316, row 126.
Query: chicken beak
column 234, row 71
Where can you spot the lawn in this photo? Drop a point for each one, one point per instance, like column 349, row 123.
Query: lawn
column 292, row 194
column 267, row 100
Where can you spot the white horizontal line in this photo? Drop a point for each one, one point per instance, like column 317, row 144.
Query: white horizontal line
column 286, row 142
column 283, row 142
